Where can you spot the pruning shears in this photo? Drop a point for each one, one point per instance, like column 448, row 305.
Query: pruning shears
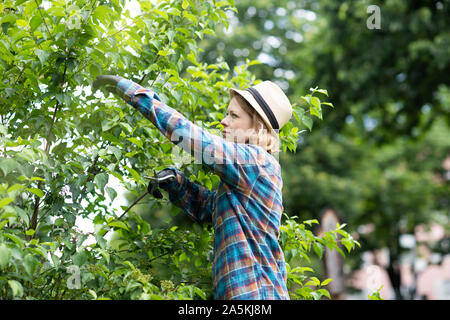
column 160, row 178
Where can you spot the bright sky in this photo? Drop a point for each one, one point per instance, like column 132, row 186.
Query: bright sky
column 134, row 7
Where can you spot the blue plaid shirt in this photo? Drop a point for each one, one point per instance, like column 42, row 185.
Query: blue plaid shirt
column 245, row 210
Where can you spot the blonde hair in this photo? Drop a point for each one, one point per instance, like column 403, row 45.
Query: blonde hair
column 261, row 134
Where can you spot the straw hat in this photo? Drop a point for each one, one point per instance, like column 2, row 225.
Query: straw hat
column 269, row 100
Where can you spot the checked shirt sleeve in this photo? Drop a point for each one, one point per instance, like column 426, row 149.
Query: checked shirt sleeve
column 223, row 157
column 195, row 199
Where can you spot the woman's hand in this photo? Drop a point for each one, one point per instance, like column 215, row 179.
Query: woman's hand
column 107, row 82
column 163, row 180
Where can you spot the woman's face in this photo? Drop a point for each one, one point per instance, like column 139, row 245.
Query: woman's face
column 236, row 122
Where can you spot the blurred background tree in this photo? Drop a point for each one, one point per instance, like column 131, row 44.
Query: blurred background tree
column 378, row 158
column 380, row 79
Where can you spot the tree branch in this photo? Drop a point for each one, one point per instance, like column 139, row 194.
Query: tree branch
column 34, row 217
column 43, row 19
column 133, row 204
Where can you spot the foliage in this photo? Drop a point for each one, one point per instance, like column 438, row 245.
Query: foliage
column 65, row 152
column 298, row 242
column 387, row 191
column 391, row 75
column 303, row 111
column 376, row 295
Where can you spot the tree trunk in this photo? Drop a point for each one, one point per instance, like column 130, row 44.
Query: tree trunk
column 393, row 271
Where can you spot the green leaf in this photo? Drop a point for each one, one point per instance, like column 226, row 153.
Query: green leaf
column 128, row 263
column 16, row 240
column 318, row 249
column 135, row 174
column 35, row 22
column 42, row 55
column 316, row 112
column 101, row 241
column 93, row 294
column 112, row 194
column 190, row 17
column 106, row 124
column 102, row 13
column 326, row 281
column 126, row 126
column 315, row 295
column 376, row 295
column 207, row 183
column 37, row 179
column 5, row 255
column 101, row 180
column 5, row 27
column 105, row 254
column 162, row 14
column 307, row 99
column 95, row 69
column 19, row 2
column 222, row 4
column 30, row 264
column 21, row 23
column 307, row 121
column 341, row 226
column 328, row 104
column 5, row 202
column 36, row 191
column 322, row 91
column 136, row 141
column 3, row 223
column 8, row 165
column 304, row 292
column 118, row 224
column 310, row 222
column 80, row 258
column 347, row 244
column 340, row 251
column 200, row 293
column 315, row 102
column 324, row 292
column 215, row 179
column 116, row 151
column 298, row 114
column 301, row 270
column 16, row 287
column 314, row 281
column 174, row 12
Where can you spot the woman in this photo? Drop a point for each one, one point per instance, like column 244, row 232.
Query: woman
column 246, row 208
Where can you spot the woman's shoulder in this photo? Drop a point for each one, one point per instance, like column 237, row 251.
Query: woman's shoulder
column 265, row 159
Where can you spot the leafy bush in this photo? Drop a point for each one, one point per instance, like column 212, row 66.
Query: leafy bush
column 297, row 242
column 62, row 149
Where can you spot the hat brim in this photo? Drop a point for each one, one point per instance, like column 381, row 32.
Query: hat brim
column 251, row 100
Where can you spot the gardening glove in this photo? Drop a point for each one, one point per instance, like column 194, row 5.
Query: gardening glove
column 126, row 89
column 107, row 82
column 162, row 180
